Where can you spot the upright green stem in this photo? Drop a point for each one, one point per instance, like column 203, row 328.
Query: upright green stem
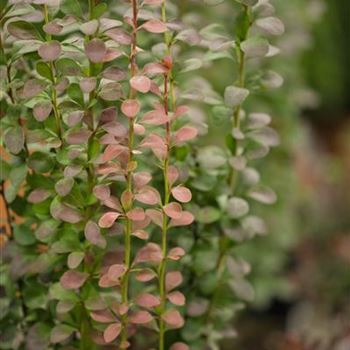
column 128, row 223
column 56, row 110
column 236, row 113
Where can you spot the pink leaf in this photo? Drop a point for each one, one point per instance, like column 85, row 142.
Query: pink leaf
column 116, row 129
column 73, row 279
column 119, row 35
column 105, row 282
column 112, row 332
column 155, row 26
column 141, row 234
column 136, row 214
column 140, row 83
column 179, row 346
column 87, row 84
column 173, row 210
column 141, row 317
column 114, row 73
column 102, row 192
column 173, row 279
column 151, row 252
column 176, row 253
column 102, row 316
column 42, row 110
column 107, row 220
column 74, row 118
column 130, row 108
column 146, row 275
column 177, row 298
column 113, row 151
column 141, row 179
column 153, row 2
column 113, row 203
column 155, row 118
column 78, row 137
column 155, row 68
column 95, row 50
column 173, row 318
column 93, row 235
column 148, row 195
column 182, row 194
column 173, row 174
column 156, row 216
column 38, row 195
column 50, row 51
column 184, row 134
column 111, row 54
column 115, row 272
column 180, row 110
column 147, row 300
column 185, row 219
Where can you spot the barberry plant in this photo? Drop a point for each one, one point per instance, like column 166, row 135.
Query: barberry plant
column 100, row 162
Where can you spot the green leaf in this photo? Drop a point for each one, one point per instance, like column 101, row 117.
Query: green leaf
column 61, row 332
column 75, row 93
column 208, row 215
column 68, row 67
column 40, row 162
column 44, row 70
column 23, row 235
column 99, row 10
column 71, row 7
column 23, row 30
column 5, row 169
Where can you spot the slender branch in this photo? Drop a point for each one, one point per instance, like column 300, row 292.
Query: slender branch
column 128, row 222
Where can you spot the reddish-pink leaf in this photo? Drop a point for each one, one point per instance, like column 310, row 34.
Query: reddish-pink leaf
column 173, row 318
column 141, row 317
column 103, row 316
column 146, row 275
column 182, row 194
column 155, row 26
column 116, row 129
column 113, row 151
column 32, row 88
column 176, row 253
column 173, row 279
column 141, row 179
column 105, row 282
column 130, row 108
column 156, row 117
column 141, row 234
column 120, row 309
column 112, row 332
column 42, row 110
column 52, row 28
column 87, row 84
column 65, row 213
column 73, row 279
column 95, row 50
column 115, row 271
column 151, row 252
column 114, row 73
column 107, row 220
column 180, row 110
column 155, row 68
column 50, row 51
column 102, row 192
column 179, row 346
column 173, row 174
column 157, row 144
column 93, row 235
column 119, row 35
column 177, row 298
column 139, row 129
column 173, row 210
column 126, row 198
column 113, row 203
column 140, row 83
column 153, row 2
column 148, row 195
column 156, row 216
column 38, row 195
column 111, row 54
column 185, row 219
column 147, row 300
column 185, row 133
column 136, row 214
column 74, row 118
column 78, row 137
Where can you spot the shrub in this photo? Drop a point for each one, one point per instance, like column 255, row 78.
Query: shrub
column 98, row 172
